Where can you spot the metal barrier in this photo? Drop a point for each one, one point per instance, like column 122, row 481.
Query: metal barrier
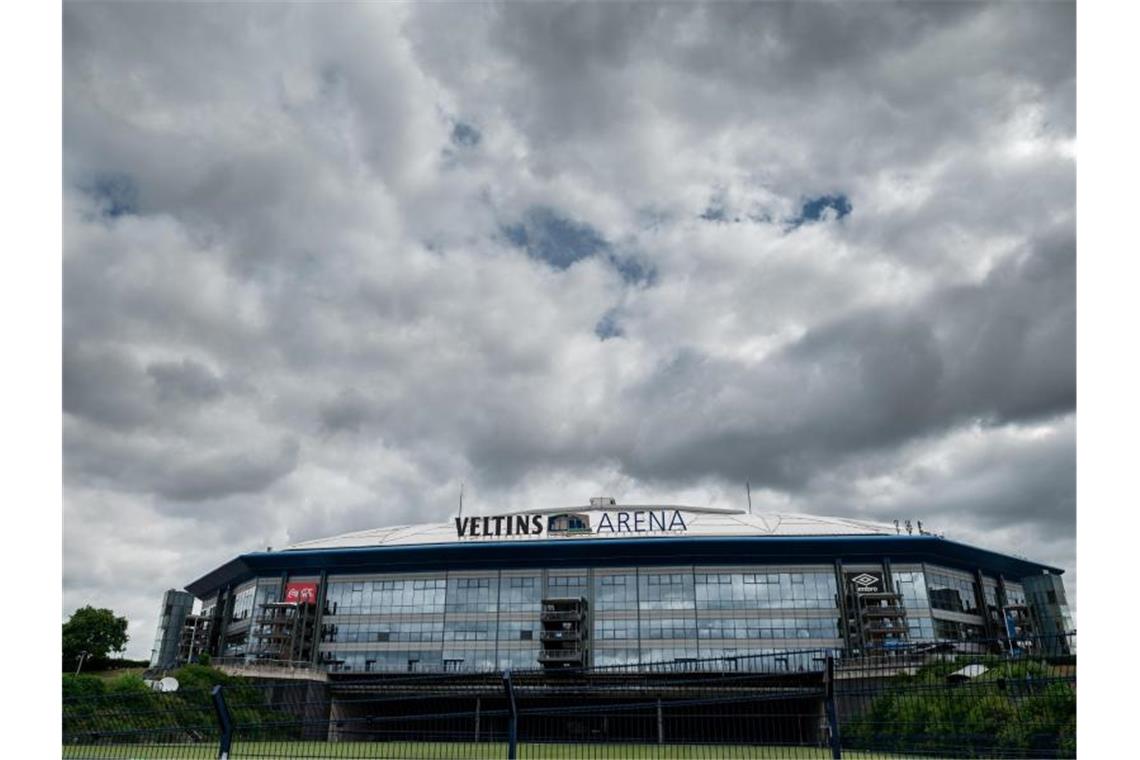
column 910, row 702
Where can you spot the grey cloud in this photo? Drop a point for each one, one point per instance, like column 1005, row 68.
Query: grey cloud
column 1002, row 350
column 105, row 386
column 214, row 475
column 290, row 307
column 184, row 380
column 163, row 466
column 347, row 411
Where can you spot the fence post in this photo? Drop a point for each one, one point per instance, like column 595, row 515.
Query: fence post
column 660, row 723
column 225, row 723
column 513, row 718
column 829, row 706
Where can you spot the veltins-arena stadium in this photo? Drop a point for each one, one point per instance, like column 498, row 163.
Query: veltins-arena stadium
column 608, row 585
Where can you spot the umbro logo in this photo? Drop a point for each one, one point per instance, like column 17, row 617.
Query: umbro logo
column 865, row 579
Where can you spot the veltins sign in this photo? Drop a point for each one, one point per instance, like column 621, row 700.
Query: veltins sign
column 866, row 583
column 634, row 521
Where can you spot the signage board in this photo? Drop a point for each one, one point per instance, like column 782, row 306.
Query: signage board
column 866, row 583
column 301, row 593
column 631, row 522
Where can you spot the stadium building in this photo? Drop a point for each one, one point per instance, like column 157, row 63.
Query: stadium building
column 608, row 584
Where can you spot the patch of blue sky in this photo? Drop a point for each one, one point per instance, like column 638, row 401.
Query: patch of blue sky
column 822, row 207
column 608, row 326
column 116, row 193
column 634, row 271
column 465, row 135
column 559, row 241
column 550, row 237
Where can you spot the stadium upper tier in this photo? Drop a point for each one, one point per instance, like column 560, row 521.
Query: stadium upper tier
column 607, row 534
column 613, row 522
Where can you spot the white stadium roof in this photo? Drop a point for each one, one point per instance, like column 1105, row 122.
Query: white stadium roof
column 698, row 521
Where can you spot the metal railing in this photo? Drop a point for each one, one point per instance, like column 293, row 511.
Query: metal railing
column 264, row 662
column 921, row 700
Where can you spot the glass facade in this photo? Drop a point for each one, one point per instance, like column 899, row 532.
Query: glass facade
column 243, row 604
column 942, row 603
column 176, row 605
column 952, row 592
column 470, row 621
column 243, row 612
column 910, row 583
column 490, row 620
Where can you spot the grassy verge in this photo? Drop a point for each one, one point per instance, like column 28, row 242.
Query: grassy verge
column 472, row 750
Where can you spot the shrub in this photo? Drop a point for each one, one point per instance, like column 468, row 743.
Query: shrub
column 1019, row 715
column 77, row 687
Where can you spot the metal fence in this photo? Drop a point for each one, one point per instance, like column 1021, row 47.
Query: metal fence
column 912, row 702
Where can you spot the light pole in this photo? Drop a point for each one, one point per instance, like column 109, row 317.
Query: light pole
column 84, row 655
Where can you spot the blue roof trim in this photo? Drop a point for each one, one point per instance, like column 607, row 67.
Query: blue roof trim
column 665, row 550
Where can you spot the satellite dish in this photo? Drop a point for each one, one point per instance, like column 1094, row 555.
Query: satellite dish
column 170, row 683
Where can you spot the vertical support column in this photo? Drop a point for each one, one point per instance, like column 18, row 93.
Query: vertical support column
column 841, row 600
column 322, row 595
column 637, row 597
column 980, row 600
column 478, row 710
column 295, row 643
column 512, row 718
column 443, row 640
column 591, row 614
column 1003, row 600
column 889, row 587
column 222, row 615
column 498, row 617
column 696, row 615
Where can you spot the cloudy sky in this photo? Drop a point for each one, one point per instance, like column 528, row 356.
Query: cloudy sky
column 322, row 264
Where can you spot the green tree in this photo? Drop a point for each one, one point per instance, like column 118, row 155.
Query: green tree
column 98, row 633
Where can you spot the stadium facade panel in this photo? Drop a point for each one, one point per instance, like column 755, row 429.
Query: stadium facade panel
column 608, row 584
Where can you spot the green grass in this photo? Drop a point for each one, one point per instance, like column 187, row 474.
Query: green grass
column 472, row 750
column 111, row 675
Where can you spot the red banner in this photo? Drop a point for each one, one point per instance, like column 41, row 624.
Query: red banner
column 303, row 593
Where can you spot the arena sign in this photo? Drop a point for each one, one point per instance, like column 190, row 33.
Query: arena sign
column 572, row 523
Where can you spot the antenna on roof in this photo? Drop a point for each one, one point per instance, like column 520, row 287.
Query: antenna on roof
column 461, row 498
column 748, row 487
